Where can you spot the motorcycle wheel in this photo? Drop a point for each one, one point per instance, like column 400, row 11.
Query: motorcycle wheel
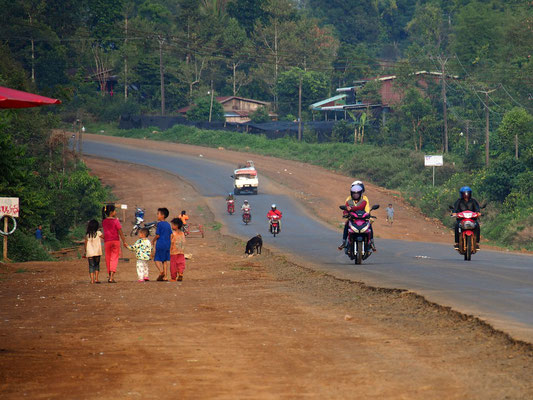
column 359, row 255
column 468, row 252
column 133, row 231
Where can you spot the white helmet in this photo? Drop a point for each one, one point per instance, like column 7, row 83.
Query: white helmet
column 273, row 206
column 360, row 183
column 245, row 201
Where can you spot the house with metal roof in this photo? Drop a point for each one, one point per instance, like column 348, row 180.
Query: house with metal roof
column 238, row 109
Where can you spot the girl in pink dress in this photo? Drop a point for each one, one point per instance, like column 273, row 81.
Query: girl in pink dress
column 112, row 235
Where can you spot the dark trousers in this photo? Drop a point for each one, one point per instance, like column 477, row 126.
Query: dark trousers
column 477, row 232
column 94, row 264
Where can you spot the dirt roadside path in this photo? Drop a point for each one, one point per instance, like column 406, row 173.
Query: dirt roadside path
column 254, row 328
column 319, row 189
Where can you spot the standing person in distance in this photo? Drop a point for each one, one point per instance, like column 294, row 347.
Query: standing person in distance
column 112, row 236
column 161, row 243
column 390, row 214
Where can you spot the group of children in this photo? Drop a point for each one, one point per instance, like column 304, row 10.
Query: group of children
column 167, row 247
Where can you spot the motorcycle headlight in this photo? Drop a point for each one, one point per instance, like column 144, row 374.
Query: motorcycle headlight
column 468, row 225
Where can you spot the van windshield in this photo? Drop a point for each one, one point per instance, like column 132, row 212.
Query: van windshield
column 245, row 176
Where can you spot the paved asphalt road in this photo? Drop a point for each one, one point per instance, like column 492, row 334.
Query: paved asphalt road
column 494, row 286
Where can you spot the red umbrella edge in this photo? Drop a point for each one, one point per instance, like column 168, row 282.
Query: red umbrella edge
column 11, row 98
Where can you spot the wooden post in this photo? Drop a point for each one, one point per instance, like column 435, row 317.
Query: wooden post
column 300, row 109
column 6, row 227
column 161, row 74
column 211, row 104
column 467, row 133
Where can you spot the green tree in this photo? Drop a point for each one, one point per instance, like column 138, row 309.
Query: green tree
column 416, row 110
column 516, row 131
column 200, row 110
column 260, row 115
column 314, row 88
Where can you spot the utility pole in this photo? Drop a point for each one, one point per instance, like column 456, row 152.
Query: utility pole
column 442, row 61
column 161, row 74
column 467, row 134
column 516, row 146
column 487, row 124
column 126, row 58
column 300, row 109
column 211, row 105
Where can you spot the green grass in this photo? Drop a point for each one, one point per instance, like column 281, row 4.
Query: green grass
column 21, row 271
column 216, row 226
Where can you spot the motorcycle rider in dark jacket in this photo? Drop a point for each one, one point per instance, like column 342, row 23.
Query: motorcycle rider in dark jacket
column 466, row 203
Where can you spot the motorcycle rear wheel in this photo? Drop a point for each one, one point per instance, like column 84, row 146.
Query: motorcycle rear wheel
column 468, row 250
column 359, row 255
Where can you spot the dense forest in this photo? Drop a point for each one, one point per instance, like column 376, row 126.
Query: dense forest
column 161, row 55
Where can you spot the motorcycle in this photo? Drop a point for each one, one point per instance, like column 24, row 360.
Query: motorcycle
column 246, row 216
column 467, row 236
column 139, row 219
column 359, row 247
column 231, row 206
column 274, row 224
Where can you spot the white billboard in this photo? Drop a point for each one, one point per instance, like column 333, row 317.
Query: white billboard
column 9, row 206
column 433, row 161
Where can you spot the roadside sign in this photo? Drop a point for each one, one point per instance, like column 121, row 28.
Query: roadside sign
column 124, row 206
column 433, row 161
column 9, row 206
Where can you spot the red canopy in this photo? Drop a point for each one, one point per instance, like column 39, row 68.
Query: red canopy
column 11, row 98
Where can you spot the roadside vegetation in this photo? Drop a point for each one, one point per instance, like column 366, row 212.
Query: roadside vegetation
column 38, row 166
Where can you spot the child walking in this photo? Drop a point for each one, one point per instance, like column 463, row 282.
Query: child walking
column 177, row 250
column 390, row 214
column 143, row 249
column 112, row 235
column 161, row 243
column 93, row 249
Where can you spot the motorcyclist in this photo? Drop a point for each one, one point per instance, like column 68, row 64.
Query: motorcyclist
column 274, row 212
column 466, row 203
column 246, row 207
column 230, row 197
column 356, row 202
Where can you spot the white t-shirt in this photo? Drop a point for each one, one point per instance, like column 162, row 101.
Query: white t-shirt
column 94, row 245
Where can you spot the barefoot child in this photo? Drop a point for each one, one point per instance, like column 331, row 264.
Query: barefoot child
column 112, row 235
column 177, row 250
column 93, row 249
column 161, row 243
column 142, row 248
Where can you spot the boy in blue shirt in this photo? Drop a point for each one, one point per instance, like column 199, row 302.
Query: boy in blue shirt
column 161, row 243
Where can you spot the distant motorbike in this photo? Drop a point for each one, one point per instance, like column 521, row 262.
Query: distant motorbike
column 274, row 224
column 359, row 229
column 231, row 206
column 139, row 219
column 246, row 216
column 467, row 236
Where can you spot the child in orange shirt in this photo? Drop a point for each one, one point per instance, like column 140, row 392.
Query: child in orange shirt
column 177, row 250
